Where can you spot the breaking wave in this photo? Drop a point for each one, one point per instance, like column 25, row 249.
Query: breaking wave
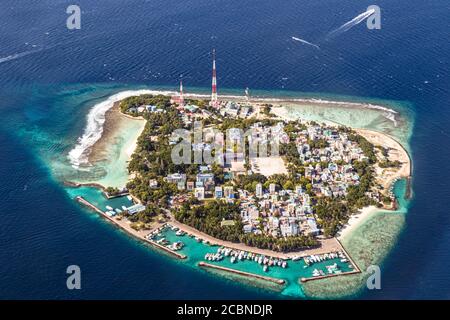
column 79, row 155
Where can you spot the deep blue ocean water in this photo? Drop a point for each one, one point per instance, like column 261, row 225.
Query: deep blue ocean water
column 50, row 77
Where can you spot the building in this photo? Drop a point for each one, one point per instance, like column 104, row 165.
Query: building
column 181, row 185
column 272, row 188
column 228, row 192
column 176, row 177
column 205, row 177
column 259, row 190
column 289, row 229
column 190, row 185
column 218, row 193
column 313, row 227
column 153, row 183
column 199, row 193
column 136, row 208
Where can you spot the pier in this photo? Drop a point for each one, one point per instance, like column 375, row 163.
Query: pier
column 242, row 273
column 354, row 271
column 128, row 229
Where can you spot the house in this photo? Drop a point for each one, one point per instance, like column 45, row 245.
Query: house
column 205, row 177
column 272, row 188
column 218, row 193
column 289, row 229
column 136, row 208
column 190, row 185
column 228, row 192
column 153, row 183
column 176, row 177
column 181, row 185
column 259, row 190
column 313, row 230
column 199, row 193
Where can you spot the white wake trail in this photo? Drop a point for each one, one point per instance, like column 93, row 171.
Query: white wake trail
column 306, row 42
column 350, row 24
column 18, row 55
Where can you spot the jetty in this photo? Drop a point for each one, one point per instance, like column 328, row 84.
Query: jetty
column 124, row 226
column 242, row 273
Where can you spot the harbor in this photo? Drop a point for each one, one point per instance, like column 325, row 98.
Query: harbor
column 194, row 251
column 111, row 215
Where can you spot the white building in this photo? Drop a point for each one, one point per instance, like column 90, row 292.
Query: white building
column 259, row 190
column 199, row 193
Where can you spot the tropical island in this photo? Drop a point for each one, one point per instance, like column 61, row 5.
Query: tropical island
column 292, row 201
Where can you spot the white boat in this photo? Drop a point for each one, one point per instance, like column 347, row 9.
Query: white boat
column 130, row 198
column 284, row 264
column 109, row 208
column 233, row 259
column 265, row 268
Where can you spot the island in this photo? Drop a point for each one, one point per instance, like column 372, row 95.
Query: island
column 251, row 186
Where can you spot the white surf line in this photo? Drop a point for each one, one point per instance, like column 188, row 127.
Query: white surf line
column 350, row 24
column 79, row 155
column 306, row 42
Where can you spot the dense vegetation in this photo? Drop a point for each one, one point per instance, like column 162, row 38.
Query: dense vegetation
column 152, row 161
column 208, row 217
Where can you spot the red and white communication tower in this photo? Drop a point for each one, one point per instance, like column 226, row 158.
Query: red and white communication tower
column 214, row 101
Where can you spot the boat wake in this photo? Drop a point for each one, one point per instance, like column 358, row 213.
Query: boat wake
column 18, row 55
column 79, row 155
column 305, row 42
column 350, row 24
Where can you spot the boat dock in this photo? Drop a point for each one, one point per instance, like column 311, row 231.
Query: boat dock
column 242, row 273
column 128, row 229
column 354, row 271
